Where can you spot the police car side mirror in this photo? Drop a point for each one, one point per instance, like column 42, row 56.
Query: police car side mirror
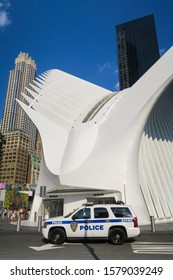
column 74, row 217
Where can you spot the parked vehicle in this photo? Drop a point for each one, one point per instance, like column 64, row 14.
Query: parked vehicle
column 112, row 222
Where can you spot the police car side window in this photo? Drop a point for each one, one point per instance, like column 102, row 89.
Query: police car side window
column 84, row 213
column 120, row 212
column 101, row 212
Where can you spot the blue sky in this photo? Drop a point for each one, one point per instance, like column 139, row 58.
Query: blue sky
column 76, row 36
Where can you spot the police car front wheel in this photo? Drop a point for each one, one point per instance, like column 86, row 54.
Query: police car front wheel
column 57, row 236
column 117, row 236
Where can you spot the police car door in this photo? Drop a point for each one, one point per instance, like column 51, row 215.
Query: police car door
column 81, row 224
column 101, row 222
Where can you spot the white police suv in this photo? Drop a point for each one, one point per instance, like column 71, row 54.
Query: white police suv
column 113, row 222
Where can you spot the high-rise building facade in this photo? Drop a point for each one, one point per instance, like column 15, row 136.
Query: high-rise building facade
column 14, row 116
column 14, row 157
column 38, row 146
column 1, row 141
column 34, row 169
column 137, row 49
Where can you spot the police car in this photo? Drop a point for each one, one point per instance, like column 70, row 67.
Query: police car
column 115, row 223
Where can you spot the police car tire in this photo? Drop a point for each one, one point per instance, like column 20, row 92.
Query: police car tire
column 117, row 236
column 57, row 236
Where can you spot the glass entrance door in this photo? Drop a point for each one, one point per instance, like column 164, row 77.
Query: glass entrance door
column 55, row 207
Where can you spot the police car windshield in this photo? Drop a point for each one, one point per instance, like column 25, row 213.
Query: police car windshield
column 69, row 214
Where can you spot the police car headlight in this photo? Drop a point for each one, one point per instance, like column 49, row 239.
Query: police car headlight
column 45, row 225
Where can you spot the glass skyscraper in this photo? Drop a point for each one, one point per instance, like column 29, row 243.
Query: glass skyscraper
column 137, row 49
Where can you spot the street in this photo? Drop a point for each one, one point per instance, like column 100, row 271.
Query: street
column 27, row 244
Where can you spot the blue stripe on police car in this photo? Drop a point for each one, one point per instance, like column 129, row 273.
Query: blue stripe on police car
column 98, row 221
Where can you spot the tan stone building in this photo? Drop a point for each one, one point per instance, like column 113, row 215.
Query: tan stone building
column 14, row 157
column 1, row 140
column 33, row 169
column 38, row 146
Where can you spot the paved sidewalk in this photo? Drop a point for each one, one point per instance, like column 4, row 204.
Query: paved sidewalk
column 165, row 227
column 6, row 226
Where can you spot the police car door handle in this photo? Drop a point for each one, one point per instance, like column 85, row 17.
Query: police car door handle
column 107, row 221
column 86, row 221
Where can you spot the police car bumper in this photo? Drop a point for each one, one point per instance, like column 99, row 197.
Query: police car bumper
column 133, row 232
column 45, row 233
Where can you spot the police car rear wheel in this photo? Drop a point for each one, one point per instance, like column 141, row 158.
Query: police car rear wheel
column 57, row 236
column 117, row 236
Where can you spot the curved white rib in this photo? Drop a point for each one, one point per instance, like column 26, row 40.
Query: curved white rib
column 126, row 143
column 156, row 158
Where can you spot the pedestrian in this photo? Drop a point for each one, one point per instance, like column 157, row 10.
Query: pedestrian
column 26, row 213
column 1, row 213
column 4, row 213
column 47, row 213
column 21, row 213
column 13, row 216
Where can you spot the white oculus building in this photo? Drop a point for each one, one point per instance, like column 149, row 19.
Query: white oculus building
column 100, row 146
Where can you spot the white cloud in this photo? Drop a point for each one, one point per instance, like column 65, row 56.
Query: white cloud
column 5, row 4
column 117, row 86
column 4, row 16
column 4, row 20
column 106, row 65
column 116, row 71
column 162, row 51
